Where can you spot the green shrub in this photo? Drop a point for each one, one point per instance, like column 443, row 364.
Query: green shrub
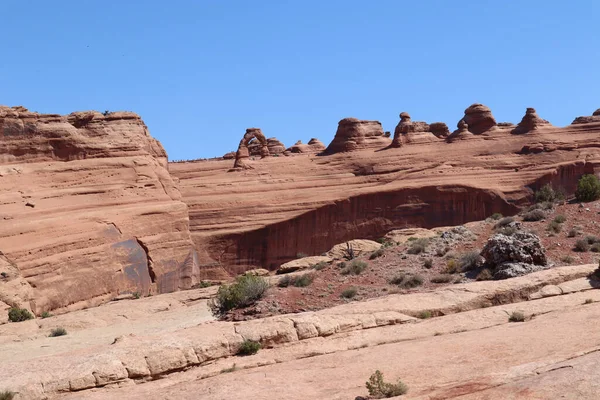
column 58, row 332
column 507, row 230
column 451, row 266
column 595, row 248
column 581, row 246
column 535, row 215
column 516, row 316
column 376, row 254
column 248, row 347
column 468, row 261
column 246, row 290
column 349, row 293
column 441, row 278
column 45, row 314
column 356, row 267
column 19, row 314
column 567, row 260
column 418, row 246
column 136, row 295
column 378, row 389
column 485, row 275
column 424, row 314
column 496, row 216
column 588, row 188
column 398, row 278
column 546, row 194
column 560, row 218
column 504, row 222
column 591, row 239
column 7, row 395
column 428, row 263
column 320, row 266
column 303, row 280
column 411, row 281
column 285, row 281
column 572, row 233
column 554, row 227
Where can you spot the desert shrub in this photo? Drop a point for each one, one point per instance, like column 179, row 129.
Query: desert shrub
column 567, row 260
column 319, row 266
column 356, row 267
column 418, row 246
column 554, row 227
column 398, row 278
column 428, row 263
column 588, row 301
column 248, row 347
column 411, row 281
column 376, row 254
column 572, row 233
column 546, row 194
column 595, row 248
column 516, row 316
column 378, row 389
column 441, row 251
column 349, row 293
column 588, row 188
column 581, row 246
column 285, row 281
column 4, row 274
column 451, row 266
column 303, row 280
column 424, row 314
column 7, row 395
column 60, row 331
column 136, row 295
column 496, row 216
column 246, row 290
column 469, row 261
column 19, row 314
column 46, row 314
column 507, row 230
column 233, row 368
column 484, row 275
column 591, row 239
column 503, row 222
column 535, row 215
column 441, row 278
column 560, row 218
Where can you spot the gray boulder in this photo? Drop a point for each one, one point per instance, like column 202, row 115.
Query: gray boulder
column 516, row 255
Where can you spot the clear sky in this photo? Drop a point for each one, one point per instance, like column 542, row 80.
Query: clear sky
column 201, row 72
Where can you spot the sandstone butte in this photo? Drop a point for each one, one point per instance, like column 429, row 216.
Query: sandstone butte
column 90, row 208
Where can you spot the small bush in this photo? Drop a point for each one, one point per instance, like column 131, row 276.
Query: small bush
column 588, row 301
column 248, row 347
column 303, row 280
column 451, row 266
column 233, row 368
column 356, row 267
column 246, row 290
column 425, row 314
column 507, row 230
column 136, row 295
column 19, row 314
column 411, row 281
column 516, row 316
column 58, row 332
column 376, row 254
column 554, row 227
column 581, row 246
column 535, row 215
column 441, row 251
column 485, row 275
column 567, row 260
column 504, row 222
column 349, row 293
column 560, row 218
column 320, row 266
column 496, row 216
column 591, row 239
column 398, row 278
column 378, row 389
column 45, row 314
column 7, row 395
column 595, row 248
column 588, row 188
column 285, row 281
column 418, row 246
column 428, row 263
column 572, row 233
column 469, row 260
column 546, row 194
column 441, row 278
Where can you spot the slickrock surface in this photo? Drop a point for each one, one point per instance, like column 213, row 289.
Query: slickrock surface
column 306, row 204
column 88, row 210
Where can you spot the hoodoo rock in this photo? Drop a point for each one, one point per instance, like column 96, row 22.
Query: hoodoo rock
column 479, row 118
column 461, row 133
column 243, row 151
column 595, row 117
column 530, row 122
column 405, row 127
column 354, row 134
column 313, row 146
column 275, row 146
column 439, row 129
column 108, row 217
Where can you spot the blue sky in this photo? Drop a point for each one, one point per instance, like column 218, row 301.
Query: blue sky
column 201, row 72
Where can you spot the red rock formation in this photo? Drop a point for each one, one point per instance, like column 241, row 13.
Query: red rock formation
column 530, row 122
column 595, row 117
column 461, row 133
column 409, row 131
column 439, row 129
column 104, row 214
column 275, row 146
column 243, row 151
column 313, row 146
column 479, row 119
column 353, row 134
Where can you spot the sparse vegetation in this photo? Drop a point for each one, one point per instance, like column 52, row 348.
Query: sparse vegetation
column 425, row 314
column 411, row 281
column 428, row 263
column 319, row 266
column 469, row 261
column 591, row 239
column 60, row 331
column 554, row 227
column 560, row 219
column 7, row 395
column 378, row 389
column 136, row 295
column 19, row 314
column 349, row 293
column 547, row 194
column 451, row 266
column 567, row 260
column 504, row 222
column 588, row 301
column 303, row 280
column 588, row 188
column 441, row 278
column 418, row 246
column 535, row 215
column 233, row 368
column 246, row 290
column 285, row 281
column 581, row 246
column 249, row 347
column 356, row 267
column 507, row 230
column 572, row 233
column 485, row 275
column 496, row 216
column 595, row 248
column 45, row 314
column 516, row 316
column 377, row 253
column 398, row 278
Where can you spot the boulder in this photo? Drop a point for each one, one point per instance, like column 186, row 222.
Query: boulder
column 515, row 255
column 530, row 122
column 301, row 263
column 400, row 236
column 354, row 134
column 479, row 118
column 358, row 246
